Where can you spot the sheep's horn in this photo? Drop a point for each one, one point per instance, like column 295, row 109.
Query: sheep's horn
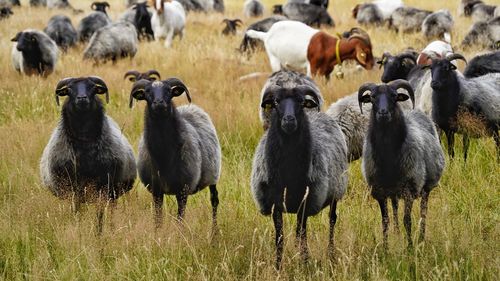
column 177, row 83
column 403, row 84
column 93, row 5
column 153, row 72
column 408, row 56
column 106, row 4
column 452, row 57
column 138, row 91
column 238, row 21
column 61, row 88
column 99, row 83
column 367, row 87
column 133, row 73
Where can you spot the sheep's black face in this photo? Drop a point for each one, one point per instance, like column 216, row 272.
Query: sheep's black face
column 384, row 98
column 395, row 68
column 384, row 103
column 442, row 73
column 26, row 41
column 81, row 92
column 158, row 94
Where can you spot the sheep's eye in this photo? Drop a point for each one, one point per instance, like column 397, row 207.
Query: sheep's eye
column 33, row 39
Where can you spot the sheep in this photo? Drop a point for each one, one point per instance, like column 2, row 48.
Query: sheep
column 483, row 34
column 87, row 158
column 61, row 30
column 5, row 12
column 253, row 8
column 367, row 13
column 408, row 19
column 114, row 41
column 100, row 7
column 168, row 21
column 455, row 98
column 231, row 26
column 37, row 3
column 34, row 53
column 134, row 75
column 9, row 3
column 300, row 164
column 292, row 44
column 140, row 16
column 308, row 14
column 438, row 24
column 130, row 3
column 402, row 156
column 90, row 24
column 435, row 49
column 483, row 64
column 387, row 7
column 179, row 152
column 219, row 6
column 479, row 11
column 249, row 45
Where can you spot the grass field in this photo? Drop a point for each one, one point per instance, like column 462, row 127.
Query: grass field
column 41, row 239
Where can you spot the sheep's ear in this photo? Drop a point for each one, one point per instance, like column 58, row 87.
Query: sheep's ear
column 138, row 91
column 62, row 88
column 15, row 38
column 100, row 86
column 310, row 102
column 177, row 87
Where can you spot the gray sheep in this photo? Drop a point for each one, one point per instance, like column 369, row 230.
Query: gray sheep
column 61, row 30
column 87, row 158
column 402, row 156
column 34, row 52
column 368, row 13
column 179, row 152
column 484, row 35
column 479, row 11
column 438, row 24
column 89, row 24
column 483, row 64
column 300, row 164
column 408, row 19
column 9, row 3
column 253, row 8
column 308, row 14
column 114, row 41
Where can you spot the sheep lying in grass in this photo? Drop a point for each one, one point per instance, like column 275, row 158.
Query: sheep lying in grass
column 402, row 157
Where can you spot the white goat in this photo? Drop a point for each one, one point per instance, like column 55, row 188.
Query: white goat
column 168, row 21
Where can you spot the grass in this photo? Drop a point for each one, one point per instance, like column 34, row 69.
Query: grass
column 41, row 239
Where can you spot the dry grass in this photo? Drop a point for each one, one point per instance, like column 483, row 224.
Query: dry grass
column 40, row 238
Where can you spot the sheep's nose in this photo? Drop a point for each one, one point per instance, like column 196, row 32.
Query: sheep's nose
column 383, row 111
column 288, row 119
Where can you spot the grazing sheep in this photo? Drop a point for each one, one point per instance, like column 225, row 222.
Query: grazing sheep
column 140, row 16
column 455, row 97
column 483, row 64
column 253, row 8
column 308, row 14
column 168, row 21
column 231, row 26
column 100, row 7
column 61, row 30
column 402, row 157
column 114, row 41
column 87, row 157
column 484, row 35
column 438, row 24
column 248, row 44
column 90, row 24
column 479, row 11
column 34, row 53
column 300, row 165
column 179, row 152
column 5, row 13
column 408, row 19
column 134, row 75
column 367, row 13
column 387, row 7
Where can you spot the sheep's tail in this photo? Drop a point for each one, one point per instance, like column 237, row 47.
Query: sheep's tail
column 447, row 37
column 256, row 34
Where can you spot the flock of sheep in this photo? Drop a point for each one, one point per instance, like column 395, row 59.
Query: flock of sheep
column 300, row 164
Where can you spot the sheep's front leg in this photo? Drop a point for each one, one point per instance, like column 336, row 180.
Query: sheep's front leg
column 278, row 227
column 214, row 200
column 394, row 201
column 158, row 205
column 423, row 214
column 450, row 137
column 101, row 206
column 301, row 234
column 333, row 221
column 407, row 220
column 181, row 203
column 466, row 142
column 496, row 136
column 385, row 220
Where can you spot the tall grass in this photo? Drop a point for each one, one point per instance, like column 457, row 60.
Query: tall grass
column 41, row 239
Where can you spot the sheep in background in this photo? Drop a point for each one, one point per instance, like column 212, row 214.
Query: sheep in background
column 87, row 157
column 9, row 3
column 300, row 164
column 456, row 98
column 140, row 16
column 5, row 13
column 483, row 64
column 34, row 53
column 231, row 26
column 253, row 8
column 435, row 49
column 483, row 34
column 100, row 7
column 114, row 41
column 89, row 24
column 62, row 31
column 130, row 3
column 367, row 13
column 248, row 44
column 308, row 14
column 479, row 11
column 134, row 75
column 438, row 24
column 38, row 3
column 168, row 21
column 408, row 19
column 387, row 7
column 402, row 157
column 179, row 152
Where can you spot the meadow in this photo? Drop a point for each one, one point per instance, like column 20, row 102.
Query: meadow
column 42, row 239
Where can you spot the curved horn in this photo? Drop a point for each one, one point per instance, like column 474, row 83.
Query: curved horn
column 93, row 5
column 367, row 87
column 452, row 57
column 236, row 21
column 153, row 72
column 101, row 86
column 403, row 84
column 133, row 73
column 106, row 4
column 225, row 21
column 177, row 83
column 137, row 91
column 408, row 56
column 366, row 40
column 62, row 88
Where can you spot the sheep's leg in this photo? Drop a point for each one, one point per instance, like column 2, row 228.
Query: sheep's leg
column 450, row 137
column 407, row 220
column 278, row 226
column 466, row 142
column 385, row 220
column 158, row 205
column 214, row 200
column 333, row 220
column 181, row 204
column 101, row 206
column 496, row 136
column 301, row 234
column 423, row 213
column 394, row 201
